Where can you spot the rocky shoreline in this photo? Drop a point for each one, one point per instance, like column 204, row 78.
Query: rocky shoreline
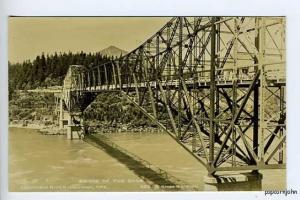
column 53, row 129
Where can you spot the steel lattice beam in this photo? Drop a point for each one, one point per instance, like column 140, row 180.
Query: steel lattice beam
column 215, row 84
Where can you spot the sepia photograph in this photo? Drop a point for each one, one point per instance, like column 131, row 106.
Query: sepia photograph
column 138, row 104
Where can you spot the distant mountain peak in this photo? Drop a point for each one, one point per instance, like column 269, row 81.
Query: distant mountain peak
column 113, row 51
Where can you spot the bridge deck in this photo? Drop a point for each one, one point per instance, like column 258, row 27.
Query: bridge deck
column 174, row 84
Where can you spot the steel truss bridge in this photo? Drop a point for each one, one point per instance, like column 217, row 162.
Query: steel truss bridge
column 216, row 85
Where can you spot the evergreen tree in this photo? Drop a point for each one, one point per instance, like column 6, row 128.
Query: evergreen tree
column 50, row 69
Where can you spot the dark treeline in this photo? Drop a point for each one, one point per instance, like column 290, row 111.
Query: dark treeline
column 49, row 70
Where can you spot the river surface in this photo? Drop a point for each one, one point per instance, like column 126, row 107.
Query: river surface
column 53, row 163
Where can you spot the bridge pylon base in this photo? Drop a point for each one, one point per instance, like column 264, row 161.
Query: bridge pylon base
column 74, row 132
column 234, row 182
column 74, row 127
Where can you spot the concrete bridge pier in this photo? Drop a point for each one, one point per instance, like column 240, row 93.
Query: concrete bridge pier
column 74, row 127
column 62, row 119
column 63, row 116
column 251, row 181
column 70, row 122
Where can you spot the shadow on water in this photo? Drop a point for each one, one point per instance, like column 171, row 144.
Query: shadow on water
column 150, row 174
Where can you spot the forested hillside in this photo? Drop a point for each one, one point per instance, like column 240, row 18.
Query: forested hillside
column 49, row 70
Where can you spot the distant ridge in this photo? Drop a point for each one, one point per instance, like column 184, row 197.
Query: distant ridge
column 113, row 51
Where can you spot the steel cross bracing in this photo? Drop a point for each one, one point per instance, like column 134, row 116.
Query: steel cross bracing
column 215, row 84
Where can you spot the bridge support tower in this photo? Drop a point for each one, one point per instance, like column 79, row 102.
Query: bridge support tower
column 74, row 127
column 63, row 121
column 72, row 122
column 251, row 181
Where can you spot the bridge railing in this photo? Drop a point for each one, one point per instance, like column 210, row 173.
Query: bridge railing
column 242, row 73
column 110, row 79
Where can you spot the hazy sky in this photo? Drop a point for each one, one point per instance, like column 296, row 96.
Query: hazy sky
column 30, row 36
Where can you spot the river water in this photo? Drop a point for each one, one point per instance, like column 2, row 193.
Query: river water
column 53, row 163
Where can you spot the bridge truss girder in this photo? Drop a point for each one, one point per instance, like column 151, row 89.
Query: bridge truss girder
column 215, row 84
